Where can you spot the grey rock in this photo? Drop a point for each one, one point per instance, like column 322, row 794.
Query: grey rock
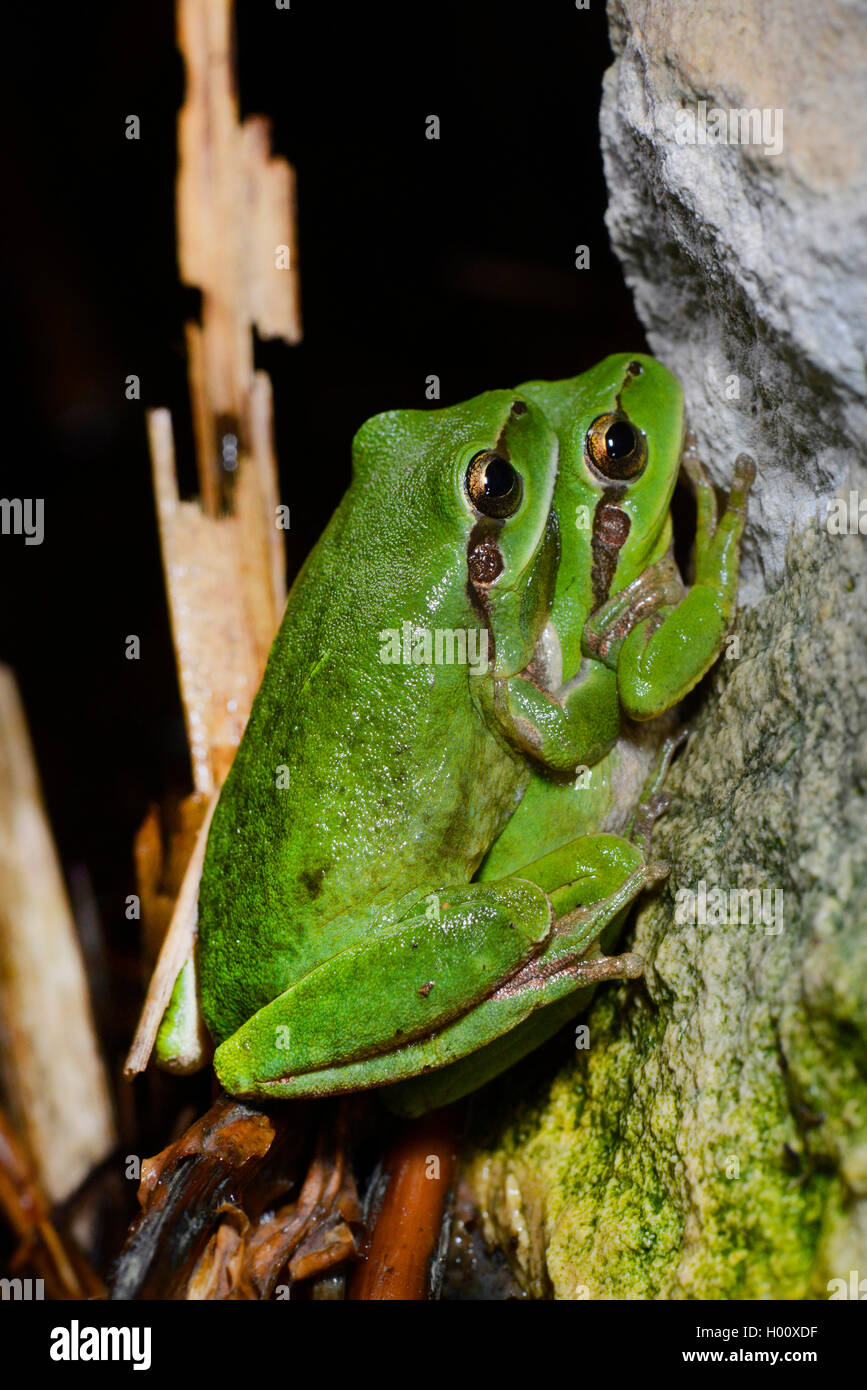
column 750, row 267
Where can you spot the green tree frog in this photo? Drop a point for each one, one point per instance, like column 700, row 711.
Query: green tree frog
column 404, row 886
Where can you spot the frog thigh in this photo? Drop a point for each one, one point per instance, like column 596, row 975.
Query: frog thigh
column 599, row 855
column 433, row 1089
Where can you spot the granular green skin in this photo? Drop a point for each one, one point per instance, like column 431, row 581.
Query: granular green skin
column 711, row 1142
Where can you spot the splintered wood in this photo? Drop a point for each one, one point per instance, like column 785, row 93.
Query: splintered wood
column 223, row 553
column 54, row 1082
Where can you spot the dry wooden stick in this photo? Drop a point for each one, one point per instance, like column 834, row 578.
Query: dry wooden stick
column 53, row 1078
column 161, row 858
column 318, row 1231
column 182, row 1194
column 314, row 1233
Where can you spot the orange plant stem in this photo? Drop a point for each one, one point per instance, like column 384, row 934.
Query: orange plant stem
column 406, row 1235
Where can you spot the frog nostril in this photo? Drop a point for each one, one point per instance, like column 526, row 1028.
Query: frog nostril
column 519, row 407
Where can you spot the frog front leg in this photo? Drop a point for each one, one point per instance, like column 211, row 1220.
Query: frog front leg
column 580, row 722
column 660, row 660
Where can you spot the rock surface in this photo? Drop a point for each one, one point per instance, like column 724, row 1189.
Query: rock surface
column 749, row 268
column 711, row 1142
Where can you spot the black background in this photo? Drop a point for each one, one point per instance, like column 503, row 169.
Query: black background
column 453, row 257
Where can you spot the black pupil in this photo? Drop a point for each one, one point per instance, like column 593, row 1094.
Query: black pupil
column 499, row 477
column 620, row 440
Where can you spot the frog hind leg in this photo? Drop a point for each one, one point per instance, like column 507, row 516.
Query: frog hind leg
column 614, row 865
column 560, row 983
column 426, row 963
column 536, row 1004
column 654, row 801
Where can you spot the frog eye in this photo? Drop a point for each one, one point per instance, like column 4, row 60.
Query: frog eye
column 616, row 448
column 494, row 487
